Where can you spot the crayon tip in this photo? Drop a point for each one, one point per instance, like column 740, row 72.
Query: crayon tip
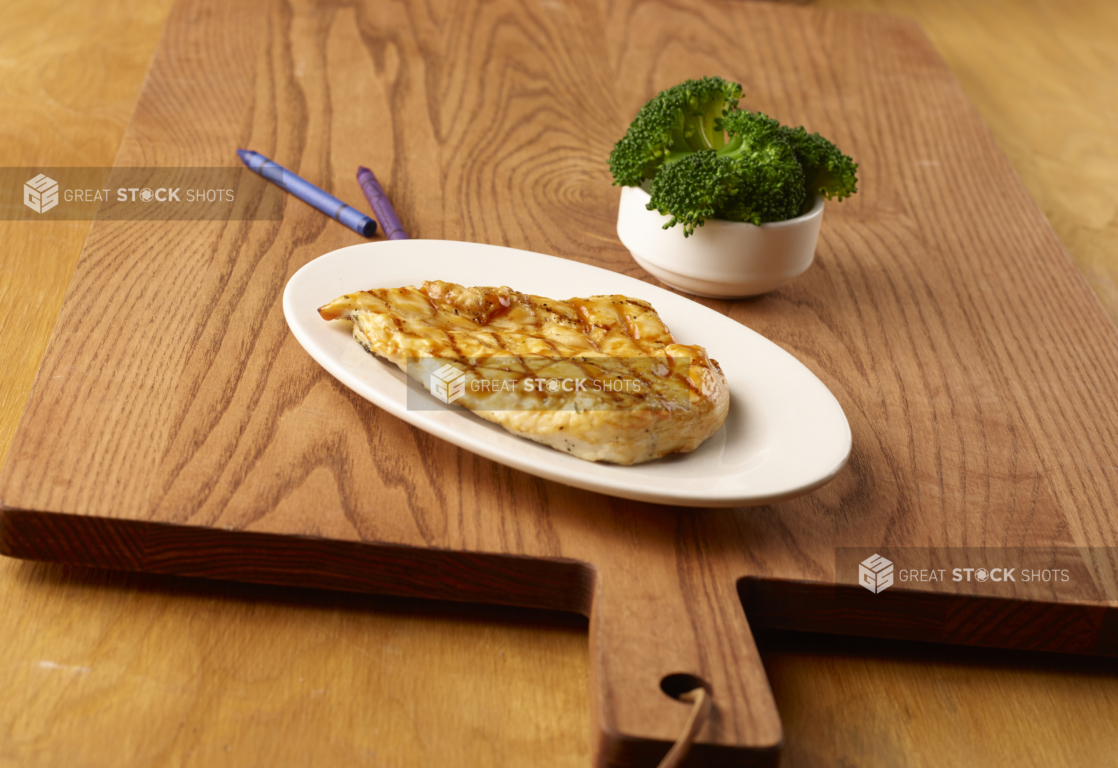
column 244, row 154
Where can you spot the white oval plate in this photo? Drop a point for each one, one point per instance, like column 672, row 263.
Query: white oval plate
column 786, row 434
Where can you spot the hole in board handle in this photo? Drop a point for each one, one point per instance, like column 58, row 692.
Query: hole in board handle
column 680, row 683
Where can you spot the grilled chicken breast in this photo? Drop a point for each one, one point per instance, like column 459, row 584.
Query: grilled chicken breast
column 599, row 378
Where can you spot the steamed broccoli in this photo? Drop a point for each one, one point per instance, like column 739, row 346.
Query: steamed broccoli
column 675, row 123
column 762, row 172
column 829, row 172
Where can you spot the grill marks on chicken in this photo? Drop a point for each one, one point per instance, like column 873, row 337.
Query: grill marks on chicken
column 642, row 395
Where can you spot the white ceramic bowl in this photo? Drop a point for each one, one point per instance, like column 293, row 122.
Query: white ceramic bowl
column 722, row 259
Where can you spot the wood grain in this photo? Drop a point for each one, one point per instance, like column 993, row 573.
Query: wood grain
column 919, row 704
column 102, row 668
column 67, row 101
column 1042, row 76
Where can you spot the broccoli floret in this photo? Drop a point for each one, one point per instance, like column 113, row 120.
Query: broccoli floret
column 675, row 123
column 754, row 177
column 828, row 171
column 694, row 189
column 708, row 159
column 772, row 177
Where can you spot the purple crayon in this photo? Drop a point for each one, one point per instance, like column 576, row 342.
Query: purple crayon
column 389, row 222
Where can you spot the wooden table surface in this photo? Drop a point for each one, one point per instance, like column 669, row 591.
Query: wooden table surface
column 110, row 669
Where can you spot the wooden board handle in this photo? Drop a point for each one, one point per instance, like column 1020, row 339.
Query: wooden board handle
column 655, row 634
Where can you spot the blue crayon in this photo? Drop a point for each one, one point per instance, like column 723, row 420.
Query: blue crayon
column 308, row 193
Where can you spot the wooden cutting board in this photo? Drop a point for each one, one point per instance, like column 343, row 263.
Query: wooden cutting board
column 176, row 426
